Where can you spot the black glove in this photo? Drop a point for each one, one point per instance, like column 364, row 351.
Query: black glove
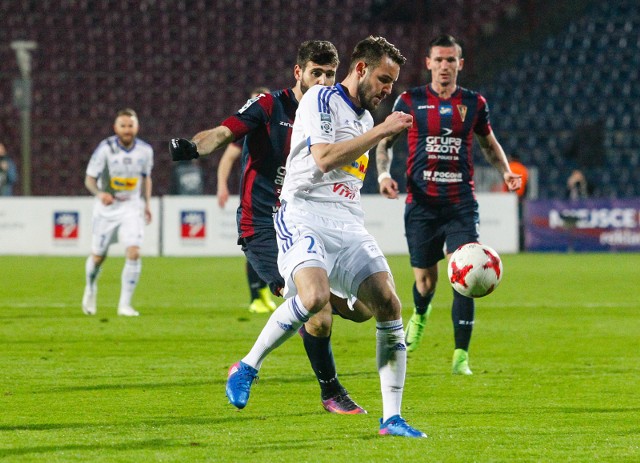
column 182, row 149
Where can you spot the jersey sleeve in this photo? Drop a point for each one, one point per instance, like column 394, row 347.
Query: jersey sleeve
column 482, row 126
column 149, row 167
column 401, row 103
column 256, row 112
column 318, row 115
column 98, row 160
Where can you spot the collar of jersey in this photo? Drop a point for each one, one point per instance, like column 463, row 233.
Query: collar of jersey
column 345, row 96
column 117, row 140
column 434, row 93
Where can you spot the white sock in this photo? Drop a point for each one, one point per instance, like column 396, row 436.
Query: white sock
column 92, row 272
column 391, row 356
column 129, row 280
column 283, row 323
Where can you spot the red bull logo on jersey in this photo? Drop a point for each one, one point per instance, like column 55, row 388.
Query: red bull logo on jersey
column 193, row 225
column 66, row 225
column 358, row 168
column 124, row 184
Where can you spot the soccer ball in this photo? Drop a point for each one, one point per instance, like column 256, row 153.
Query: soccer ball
column 475, row 270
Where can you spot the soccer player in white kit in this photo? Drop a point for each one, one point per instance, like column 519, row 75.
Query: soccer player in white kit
column 119, row 176
column 323, row 245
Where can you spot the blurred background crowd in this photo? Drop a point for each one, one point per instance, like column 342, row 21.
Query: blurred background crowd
column 561, row 78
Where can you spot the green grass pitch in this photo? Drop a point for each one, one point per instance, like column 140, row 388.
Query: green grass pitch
column 554, row 354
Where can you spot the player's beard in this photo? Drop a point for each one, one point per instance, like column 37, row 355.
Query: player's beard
column 127, row 140
column 304, row 85
column 366, row 96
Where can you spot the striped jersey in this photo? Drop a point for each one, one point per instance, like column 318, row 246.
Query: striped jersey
column 119, row 170
column 326, row 115
column 440, row 159
column 266, row 120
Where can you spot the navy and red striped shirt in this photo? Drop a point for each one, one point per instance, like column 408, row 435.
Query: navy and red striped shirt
column 440, row 160
column 266, row 121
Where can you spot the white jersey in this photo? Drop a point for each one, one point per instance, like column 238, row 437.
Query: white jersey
column 121, row 171
column 326, row 115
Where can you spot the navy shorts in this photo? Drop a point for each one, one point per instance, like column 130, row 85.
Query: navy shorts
column 429, row 227
column 261, row 251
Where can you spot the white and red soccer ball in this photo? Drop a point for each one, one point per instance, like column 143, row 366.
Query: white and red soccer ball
column 475, row 270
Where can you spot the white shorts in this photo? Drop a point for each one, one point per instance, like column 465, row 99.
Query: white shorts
column 343, row 248
column 126, row 227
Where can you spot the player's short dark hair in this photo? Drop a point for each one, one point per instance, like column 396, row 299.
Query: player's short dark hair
column 372, row 49
column 319, row 51
column 445, row 40
column 126, row 112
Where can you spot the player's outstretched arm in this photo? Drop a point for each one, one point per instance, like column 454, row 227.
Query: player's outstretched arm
column 182, row 149
column 211, row 140
column 202, row 144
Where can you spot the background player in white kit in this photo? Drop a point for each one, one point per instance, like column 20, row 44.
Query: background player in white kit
column 323, row 245
column 119, row 176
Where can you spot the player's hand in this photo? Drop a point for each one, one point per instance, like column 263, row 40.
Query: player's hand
column 105, row 198
column 389, row 188
column 147, row 215
column 513, row 181
column 223, row 195
column 182, row 149
column 396, row 122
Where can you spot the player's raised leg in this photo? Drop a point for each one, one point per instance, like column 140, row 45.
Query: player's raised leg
column 313, row 295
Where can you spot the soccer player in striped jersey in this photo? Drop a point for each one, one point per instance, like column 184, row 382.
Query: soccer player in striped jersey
column 323, row 245
column 261, row 301
column 119, row 176
column 267, row 121
column 441, row 206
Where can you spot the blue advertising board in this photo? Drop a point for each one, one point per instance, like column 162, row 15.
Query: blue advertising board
column 582, row 225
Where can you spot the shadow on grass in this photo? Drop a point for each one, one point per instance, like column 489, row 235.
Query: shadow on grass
column 144, row 386
column 136, row 445
column 218, row 381
column 234, row 417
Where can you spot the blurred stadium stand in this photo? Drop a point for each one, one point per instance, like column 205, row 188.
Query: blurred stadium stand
column 186, row 64
column 573, row 102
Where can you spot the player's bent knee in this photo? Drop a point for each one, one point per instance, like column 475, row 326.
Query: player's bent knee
column 314, row 299
column 358, row 313
column 320, row 324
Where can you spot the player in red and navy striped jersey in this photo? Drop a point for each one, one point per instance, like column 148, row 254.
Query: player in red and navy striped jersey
column 261, row 301
column 441, row 207
column 266, row 122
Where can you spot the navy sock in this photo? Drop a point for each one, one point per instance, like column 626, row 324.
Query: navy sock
column 421, row 302
column 321, row 358
column 255, row 282
column 462, row 315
